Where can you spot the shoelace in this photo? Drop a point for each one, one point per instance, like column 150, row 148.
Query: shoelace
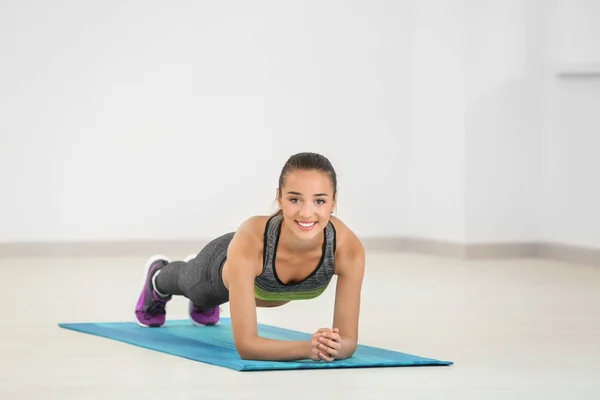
column 157, row 307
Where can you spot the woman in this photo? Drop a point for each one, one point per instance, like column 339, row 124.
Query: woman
column 267, row 262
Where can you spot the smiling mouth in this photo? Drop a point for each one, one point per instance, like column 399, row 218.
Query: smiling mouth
column 306, row 225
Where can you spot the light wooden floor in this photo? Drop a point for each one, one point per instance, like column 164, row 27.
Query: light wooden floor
column 515, row 329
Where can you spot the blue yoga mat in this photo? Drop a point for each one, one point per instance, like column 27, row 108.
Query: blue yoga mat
column 214, row 345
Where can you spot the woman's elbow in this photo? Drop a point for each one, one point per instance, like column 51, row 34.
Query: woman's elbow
column 348, row 351
column 244, row 352
column 245, row 356
column 245, row 349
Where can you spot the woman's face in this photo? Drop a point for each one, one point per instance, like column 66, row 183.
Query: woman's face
column 307, row 201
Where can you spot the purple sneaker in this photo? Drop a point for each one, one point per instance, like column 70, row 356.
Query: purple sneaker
column 206, row 317
column 150, row 310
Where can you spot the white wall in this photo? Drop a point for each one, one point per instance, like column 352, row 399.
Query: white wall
column 570, row 190
column 503, row 119
column 445, row 120
column 147, row 120
column 502, row 148
column 436, row 160
column 473, row 167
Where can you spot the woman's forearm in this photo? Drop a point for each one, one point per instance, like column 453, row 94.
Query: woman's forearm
column 263, row 349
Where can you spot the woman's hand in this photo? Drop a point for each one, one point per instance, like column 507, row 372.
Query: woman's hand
column 326, row 344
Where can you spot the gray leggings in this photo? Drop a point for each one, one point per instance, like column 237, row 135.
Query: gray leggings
column 200, row 279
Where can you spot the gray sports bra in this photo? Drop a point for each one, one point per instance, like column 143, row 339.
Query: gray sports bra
column 267, row 285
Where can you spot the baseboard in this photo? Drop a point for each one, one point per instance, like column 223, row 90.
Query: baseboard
column 470, row 250
column 569, row 253
column 513, row 250
column 434, row 247
column 181, row 248
column 500, row 250
column 384, row 243
column 101, row 248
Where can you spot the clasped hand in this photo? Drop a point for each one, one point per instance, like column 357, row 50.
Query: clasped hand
column 326, row 344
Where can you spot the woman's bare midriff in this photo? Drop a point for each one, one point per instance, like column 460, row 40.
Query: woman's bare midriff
column 270, row 303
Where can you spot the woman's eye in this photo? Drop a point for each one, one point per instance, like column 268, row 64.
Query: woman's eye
column 320, row 201
column 294, row 200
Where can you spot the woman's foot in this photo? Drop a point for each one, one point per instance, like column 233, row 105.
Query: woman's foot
column 150, row 310
column 206, row 317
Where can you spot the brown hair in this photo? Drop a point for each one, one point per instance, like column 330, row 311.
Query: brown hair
column 304, row 162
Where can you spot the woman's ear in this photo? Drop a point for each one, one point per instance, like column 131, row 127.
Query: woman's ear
column 278, row 198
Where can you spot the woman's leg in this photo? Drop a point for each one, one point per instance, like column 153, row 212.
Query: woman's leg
column 198, row 279
column 166, row 279
column 209, row 293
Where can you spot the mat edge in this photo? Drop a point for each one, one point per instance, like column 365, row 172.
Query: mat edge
column 426, row 361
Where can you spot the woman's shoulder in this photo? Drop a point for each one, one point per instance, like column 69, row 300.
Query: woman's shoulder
column 248, row 237
column 255, row 224
column 253, row 228
column 347, row 242
column 350, row 252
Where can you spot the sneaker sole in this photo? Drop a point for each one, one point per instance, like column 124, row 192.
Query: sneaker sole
column 149, row 263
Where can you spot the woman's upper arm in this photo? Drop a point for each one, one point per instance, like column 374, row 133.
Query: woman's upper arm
column 350, row 267
column 242, row 265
